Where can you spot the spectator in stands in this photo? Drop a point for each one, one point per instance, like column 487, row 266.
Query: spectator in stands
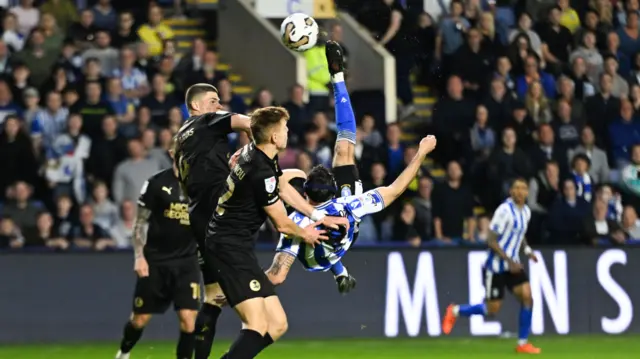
column 31, row 99
column 371, row 136
column 580, row 165
column 404, row 226
column 5, row 63
column 84, row 31
column 426, row 38
column 158, row 154
column 64, row 216
column 544, row 188
column 613, row 199
column 451, row 35
column 453, row 115
column 106, row 152
column 144, row 60
column 533, row 74
column 93, row 109
column 104, row 52
column 155, row 31
column 566, row 93
column 10, row 236
column 624, row 134
column 92, row 72
column 65, row 172
column 193, row 61
column 122, row 230
column 524, row 27
column 70, row 60
column 483, row 139
column 518, row 52
column 602, row 109
column 27, row 16
column 64, row 11
column 453, row 207
column 566, row 217
column 125, row 34
column 538, row 105
column 583, row 86
column 263, row 98
column 592, row 57
column 318, row 78
column 57, row 82
column 134, row 81
column 106, row 212
column 131, row 174
column 159, row 102
column 394, row 158
column 89, row 235
column 630, row 172
column 556, row 41
column 547, row 150
column 424, row 209
column 49, row 123
column 122, row 107
column 16, row 155
column 473, row 64
column 523, row 125
column 622, row 8
column 620, row 87
column 366, row 155
column 567, row 127
column 208, row 72
column 569, row 17
column 237, row 105
column 596, row 226
column 498, row 104
column 505, row 164
column 298, row 110
column 492, row 41
column 44, row 234
column 613, row 48
column 592, row 24
column 630, row 35
column 39, row 60
column 599, row 169
column 634, row 75
column 631, row 223
column 176, row 120
column 53, row 37
column 7, row 104
column 105, row 16
column 22, row 210
column 10, row 33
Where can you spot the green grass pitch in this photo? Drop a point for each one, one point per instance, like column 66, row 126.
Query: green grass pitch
column 571, row 347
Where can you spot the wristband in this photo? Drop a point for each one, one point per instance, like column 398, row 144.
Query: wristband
column 317, row 215
column 528, row 251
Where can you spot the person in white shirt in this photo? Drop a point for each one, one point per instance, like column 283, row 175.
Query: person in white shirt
column 28, row 16
column 10, row 35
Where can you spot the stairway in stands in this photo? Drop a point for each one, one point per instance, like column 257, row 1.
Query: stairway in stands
column 187, row 30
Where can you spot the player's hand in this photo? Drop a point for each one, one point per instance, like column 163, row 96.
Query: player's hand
column 427, row 144
column 313, row 235
column 234, row 159
column 515, row 267
column 141, row 267
column 345, row 283
column 334, row 222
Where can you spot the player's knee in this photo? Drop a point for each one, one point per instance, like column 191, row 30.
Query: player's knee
column 493, row 308
column 187, row 320
column 278, row 326
column 140, row 321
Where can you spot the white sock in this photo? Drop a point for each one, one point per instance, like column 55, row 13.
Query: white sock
column 522, row 341
column 339, row 77
column 456, row 310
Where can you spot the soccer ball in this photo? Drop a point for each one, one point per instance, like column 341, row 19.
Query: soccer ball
column 299, row 32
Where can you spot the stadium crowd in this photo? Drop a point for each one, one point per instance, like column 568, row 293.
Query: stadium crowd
column 91, row 97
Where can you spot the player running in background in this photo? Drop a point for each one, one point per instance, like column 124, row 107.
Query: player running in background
column 168, row 271
column 323, row 186
column 503, row 268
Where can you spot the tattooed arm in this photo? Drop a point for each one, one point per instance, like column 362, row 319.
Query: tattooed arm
column 139, row 240
column 279, row 269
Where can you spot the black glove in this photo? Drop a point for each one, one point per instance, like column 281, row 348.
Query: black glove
column 345, row 283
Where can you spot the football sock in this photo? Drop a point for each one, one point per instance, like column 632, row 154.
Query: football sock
column 525, row 325
column 467, row 310
column 186, row 343
column 338, row 269
column 205, row 330
column 130, row 337
column 266, row 341
column 345, row 119
column 248, row 344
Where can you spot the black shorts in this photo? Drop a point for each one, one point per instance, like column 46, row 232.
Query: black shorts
column 495, row 283
column 199, row 217
column 177, row 283
column 239, row 273
column 347, row 180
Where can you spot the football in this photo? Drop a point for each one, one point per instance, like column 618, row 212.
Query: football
column 299, row 32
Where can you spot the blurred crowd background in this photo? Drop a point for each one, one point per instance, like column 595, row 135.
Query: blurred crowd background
column 91, row 93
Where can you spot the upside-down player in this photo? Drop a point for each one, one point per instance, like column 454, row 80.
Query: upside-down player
column 322, row 187
column 503, row 268
column 166, row 262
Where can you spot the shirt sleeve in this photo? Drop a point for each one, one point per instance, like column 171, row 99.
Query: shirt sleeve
column 500, row 219
column 363, row 204
column 147, row 198
column 221, row 121
column 265, row 187
column 288, row 244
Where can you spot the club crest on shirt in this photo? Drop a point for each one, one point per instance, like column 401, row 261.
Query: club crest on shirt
column 270, row 184
column 345, row 191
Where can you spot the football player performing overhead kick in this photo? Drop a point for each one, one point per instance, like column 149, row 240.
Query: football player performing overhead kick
column 322, row 187
column 503, row 268
column 201, row 155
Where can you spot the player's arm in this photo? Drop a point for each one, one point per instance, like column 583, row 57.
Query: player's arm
column 241, row 123
column 279, row 269
column 499, row 222
column 528, row 251
column 283, row 224
column 139, row 240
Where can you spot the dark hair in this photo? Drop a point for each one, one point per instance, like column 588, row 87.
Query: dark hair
column 196, row 91
column 578, row 157
column 519, row 179
column 263, row 119
column 320, row 185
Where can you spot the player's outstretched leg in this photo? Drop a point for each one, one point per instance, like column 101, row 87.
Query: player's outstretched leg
column 523, row 293
column 465, row 310
column 131, row 334
column 345, row 118
column 206, row 320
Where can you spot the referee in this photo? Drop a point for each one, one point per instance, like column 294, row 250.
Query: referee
column 165, row 261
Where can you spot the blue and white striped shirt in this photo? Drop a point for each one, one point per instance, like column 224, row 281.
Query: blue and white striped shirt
column 324, row 256
column 510, row 223
column 49, row 125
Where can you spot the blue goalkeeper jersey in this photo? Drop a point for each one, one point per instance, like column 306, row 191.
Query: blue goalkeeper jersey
column 325, row 255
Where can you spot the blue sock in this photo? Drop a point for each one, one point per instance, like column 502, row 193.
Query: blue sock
column 525, row 324
column 338, row 269
column 467, row 310
column 345, row 119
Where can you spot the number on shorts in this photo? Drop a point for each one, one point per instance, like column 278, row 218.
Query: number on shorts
column 231, row 186
column 195, row 290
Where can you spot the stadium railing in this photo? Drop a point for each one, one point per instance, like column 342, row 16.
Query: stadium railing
column 375, row 69
column 252, row 46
